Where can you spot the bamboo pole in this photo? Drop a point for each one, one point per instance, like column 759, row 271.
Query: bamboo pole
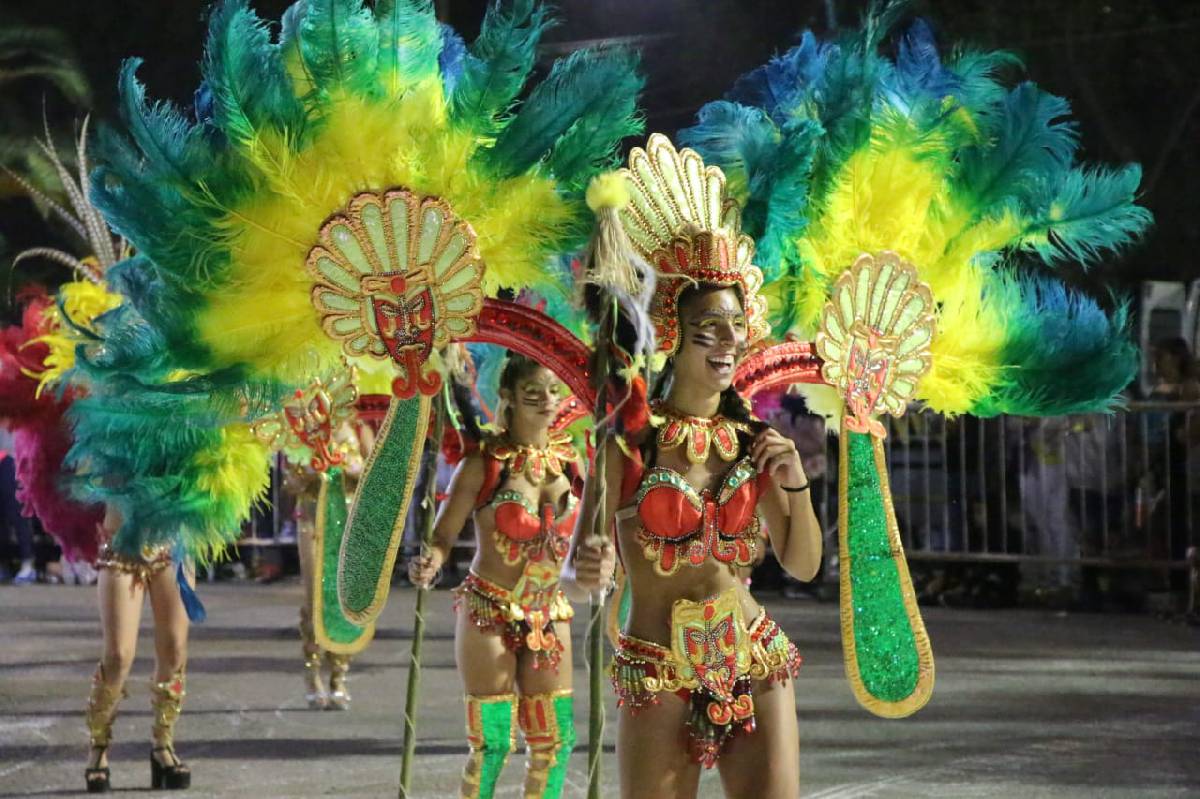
column 595, row 631
column 414, row 664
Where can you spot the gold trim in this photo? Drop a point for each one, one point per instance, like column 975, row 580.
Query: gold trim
column 384, row 583
column 318, row 608
column 925, row 676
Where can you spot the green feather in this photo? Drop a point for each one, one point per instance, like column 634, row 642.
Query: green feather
column 1088, row 211
column 497, row 66
column 244, row 70
column 575, row 84
column 409, row 43
column 591, row 143
column 339, row 45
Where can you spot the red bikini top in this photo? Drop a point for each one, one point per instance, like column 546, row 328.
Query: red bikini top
column 680, row 524
column 523, row 531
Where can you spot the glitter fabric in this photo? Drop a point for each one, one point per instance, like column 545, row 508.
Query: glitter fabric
column 333, row 630
column 887, row 652
column 377, row 519
column 492, row 735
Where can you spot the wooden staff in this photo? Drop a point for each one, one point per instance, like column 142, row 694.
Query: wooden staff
column 414, row 664
column 595, row 631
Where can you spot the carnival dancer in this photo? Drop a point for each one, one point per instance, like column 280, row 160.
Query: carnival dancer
column 361, row 187
column 887, row 202
column 304, row 483
column 512, row 638
column 688, row 494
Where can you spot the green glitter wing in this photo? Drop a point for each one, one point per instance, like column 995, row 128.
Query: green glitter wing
column 376, row 523
column 888, row 657
column 333, row 630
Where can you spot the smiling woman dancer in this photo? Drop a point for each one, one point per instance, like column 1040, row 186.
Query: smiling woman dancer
column 687, row 496
column 512, row 638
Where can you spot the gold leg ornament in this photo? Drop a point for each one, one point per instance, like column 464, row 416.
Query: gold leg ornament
column 99, row 715
column 166, row 769
column 339, row 665
column 548, row 722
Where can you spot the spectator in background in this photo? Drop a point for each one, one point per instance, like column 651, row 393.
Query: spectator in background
column 14, row 527
column 1173, row 521
column 1176, row 374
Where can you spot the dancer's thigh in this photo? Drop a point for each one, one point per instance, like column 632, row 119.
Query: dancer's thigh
column 484, row 664
column 766, row 763
column 651, row 752
column 170, row 623
column 120, row 597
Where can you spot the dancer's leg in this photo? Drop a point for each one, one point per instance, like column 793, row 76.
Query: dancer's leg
column 488, row 672
column 120, row 599
column 547, row 719
column 766, row 763
column 314, row 689
column 652, row 755
column 170, row 650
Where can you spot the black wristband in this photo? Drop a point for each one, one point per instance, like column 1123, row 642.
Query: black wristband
column 797, row 489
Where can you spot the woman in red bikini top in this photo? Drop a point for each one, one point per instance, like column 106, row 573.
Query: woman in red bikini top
column 702, row 674
column 512, row 637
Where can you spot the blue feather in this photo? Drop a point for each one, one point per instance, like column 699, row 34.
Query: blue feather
column 191, row 600
column 451, row 60
column 781, row 85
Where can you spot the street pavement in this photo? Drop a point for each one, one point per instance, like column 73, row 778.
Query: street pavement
column 1027, row 704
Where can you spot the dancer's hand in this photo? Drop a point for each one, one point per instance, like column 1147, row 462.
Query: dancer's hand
column 595, row 561
column 776, row 455
column 424, row 568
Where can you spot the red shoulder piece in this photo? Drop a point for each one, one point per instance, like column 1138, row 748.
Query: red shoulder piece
column 491, row 480
column 632, row 476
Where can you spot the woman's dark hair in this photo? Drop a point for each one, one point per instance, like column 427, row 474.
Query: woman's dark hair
column 516, row 368
column 1177, row 349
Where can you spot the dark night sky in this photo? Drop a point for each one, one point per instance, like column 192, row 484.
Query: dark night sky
column 1128, row 66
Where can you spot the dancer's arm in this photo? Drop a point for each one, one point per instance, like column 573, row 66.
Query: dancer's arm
column 792, row 525
column 591, row 562
column 452, row 517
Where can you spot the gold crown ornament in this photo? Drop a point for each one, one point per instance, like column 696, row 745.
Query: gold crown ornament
column 681, row 221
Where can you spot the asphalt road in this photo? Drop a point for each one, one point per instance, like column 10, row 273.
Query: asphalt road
column 1027, row 704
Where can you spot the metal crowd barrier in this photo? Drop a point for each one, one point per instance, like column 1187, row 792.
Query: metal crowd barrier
column 1119, row 491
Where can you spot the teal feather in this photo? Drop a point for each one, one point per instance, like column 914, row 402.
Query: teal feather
column 768, row 171
column 1086, row 212
column 1025, row 137
column 244, row 70
column 1062, row 353
column 339, row 44
column 497, row 65
column 592, row 141
column 575, row 84
column 410, row 42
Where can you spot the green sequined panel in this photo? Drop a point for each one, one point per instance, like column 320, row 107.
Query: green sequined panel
column 891, row 659
column 377, row 519
column 564, row 713
column 334, row 631
column 497, row 719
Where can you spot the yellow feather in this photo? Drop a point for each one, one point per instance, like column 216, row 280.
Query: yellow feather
column 266, row 316
column 82, row 301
